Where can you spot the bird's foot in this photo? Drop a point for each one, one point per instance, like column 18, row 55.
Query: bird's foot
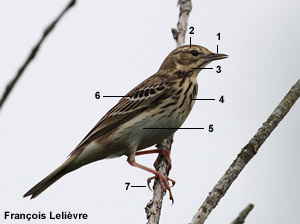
column 164, row 182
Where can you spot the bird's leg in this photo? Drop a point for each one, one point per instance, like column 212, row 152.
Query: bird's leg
column 163, row 180
column 162, row 152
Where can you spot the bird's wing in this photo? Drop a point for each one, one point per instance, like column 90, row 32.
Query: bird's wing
column 139, row 99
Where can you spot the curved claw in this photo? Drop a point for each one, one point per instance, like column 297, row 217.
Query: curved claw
column 149, row 181
column 172, row 181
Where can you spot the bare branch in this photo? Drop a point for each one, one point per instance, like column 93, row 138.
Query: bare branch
column 247, row 153
column 179, row 33
column 242, row 216
column 153, row 208
column 32, row 54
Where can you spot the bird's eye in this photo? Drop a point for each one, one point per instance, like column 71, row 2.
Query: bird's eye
column 194, row 53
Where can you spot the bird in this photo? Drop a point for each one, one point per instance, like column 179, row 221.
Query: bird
column 146, row 115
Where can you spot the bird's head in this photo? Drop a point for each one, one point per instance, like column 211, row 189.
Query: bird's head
column 190, row 57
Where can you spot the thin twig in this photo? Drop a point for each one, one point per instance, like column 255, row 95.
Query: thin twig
column 153, row 208
column 184, row 12
column 247, row 153
column 243, row 215
column 32, row 54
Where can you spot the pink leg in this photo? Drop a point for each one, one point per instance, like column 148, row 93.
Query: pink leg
column 163, row 180
column 162, row 152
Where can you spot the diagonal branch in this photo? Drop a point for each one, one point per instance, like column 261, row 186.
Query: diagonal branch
column 247, row 153
column 32, row 54
column 153, row 208
column 243, row 215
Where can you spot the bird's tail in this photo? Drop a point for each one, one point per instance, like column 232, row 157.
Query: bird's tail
column 65, row 168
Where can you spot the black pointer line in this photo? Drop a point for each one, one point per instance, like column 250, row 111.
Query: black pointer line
column 203, row 99
column 138, row 186
column 202, row 68
column 116, row 96
column 173, row 128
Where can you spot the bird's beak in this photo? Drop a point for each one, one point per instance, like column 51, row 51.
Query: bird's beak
column 214, row 57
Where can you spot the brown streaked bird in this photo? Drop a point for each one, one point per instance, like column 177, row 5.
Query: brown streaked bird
column 163, row 101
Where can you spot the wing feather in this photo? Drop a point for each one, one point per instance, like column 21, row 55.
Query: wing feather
column 139, row 99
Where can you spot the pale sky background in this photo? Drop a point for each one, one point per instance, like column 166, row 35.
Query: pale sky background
column 111, row 46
